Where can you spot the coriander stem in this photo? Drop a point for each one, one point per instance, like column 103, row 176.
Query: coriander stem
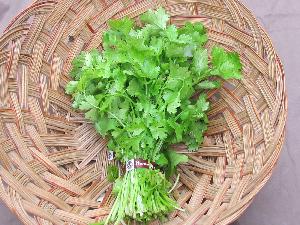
column 176, row 182
column 146, row 87
column 177, row 117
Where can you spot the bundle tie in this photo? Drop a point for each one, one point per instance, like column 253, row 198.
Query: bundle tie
column 132, row 163
column 139, row 163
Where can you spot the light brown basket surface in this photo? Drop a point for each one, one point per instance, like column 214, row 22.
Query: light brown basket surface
column 52, row 161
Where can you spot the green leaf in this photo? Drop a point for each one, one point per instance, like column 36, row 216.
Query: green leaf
column 156, row 45
column 192, row 144
column 150, row 69
column 158, row 130
column 92, row 115
column 226, row 64
column 188, row 50
column 132, row 143
column 136, row 127
column 89, row 103
column 176, row 80
column 196, row 138
column 158, row 18
column 172, row 100
column 103, row 125
column 197, row 132
column 123, row 25
column 172, row 106
column 209, row 84
column 158, row 133
column 200, row 60
column 175, row 50
column 177, row 128
column 197, row 31
column 71, row 87
column 88, row 60
column 77, row 100
column 77, row 65
column 202, row 103
column 174, row 159
column 171, row 33
column 184, row 39
column 162, row 160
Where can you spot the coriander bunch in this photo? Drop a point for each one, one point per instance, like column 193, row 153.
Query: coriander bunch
column 145, row 91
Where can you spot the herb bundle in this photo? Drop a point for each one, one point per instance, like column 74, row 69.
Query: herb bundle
column 144, row 92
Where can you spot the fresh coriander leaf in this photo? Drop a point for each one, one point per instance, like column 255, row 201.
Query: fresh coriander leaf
column 103, row 125
column 92, row 115
column 200, row 60
column 184, row 39
column 155, row 87
column 174, row 159
column 199, row 27
column 177, row 128
column 176, row 50
column 77, row 100
column 172, row 100
column 162, row 160
column 209, row 84
column 188, row 50
column 77, row 65
column 156, row 45
column 171, row 33
column 202, row 103
column 189, row 28
column 71, row 87
column 150, row 69
column 136, row 127
column 197, row 31
column 197, row 132
column 173, row 105
column 196, row 136
column 96, row 57
column 88, row 60
column 123, row 25
column 158, row 133
column 89, row 103
column 158, row 18
column 132, row 143
column 192, row 144
column 226, row 64
column 187, row 112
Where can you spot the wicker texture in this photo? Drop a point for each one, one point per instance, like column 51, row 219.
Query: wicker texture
column 52, row 161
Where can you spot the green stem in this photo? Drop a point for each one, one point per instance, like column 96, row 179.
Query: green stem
column 143, row 196
column 146, row 86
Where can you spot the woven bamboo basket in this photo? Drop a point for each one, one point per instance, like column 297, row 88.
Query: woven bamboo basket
column 52, row 161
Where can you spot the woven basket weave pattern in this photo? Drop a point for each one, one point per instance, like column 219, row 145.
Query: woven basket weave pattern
column 52, row 161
